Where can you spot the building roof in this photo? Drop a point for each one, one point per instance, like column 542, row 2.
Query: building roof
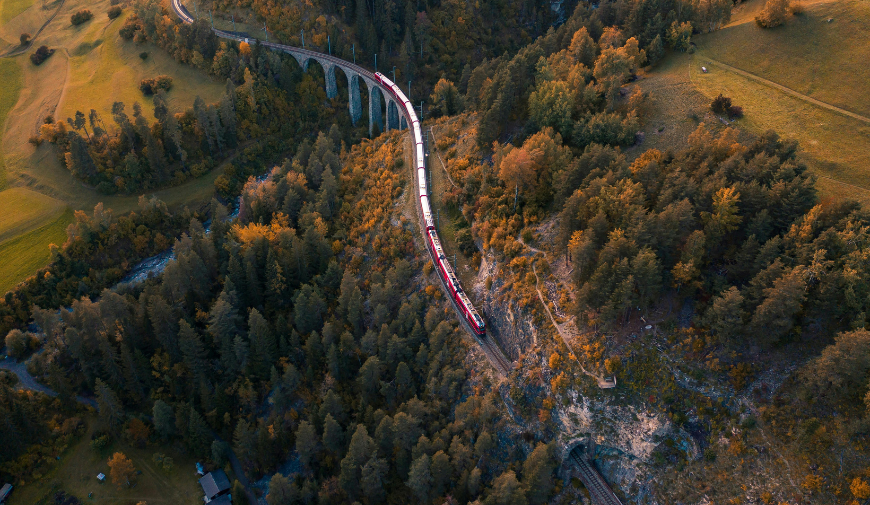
column 4, row 491
column 222, row 500
column 214, row 483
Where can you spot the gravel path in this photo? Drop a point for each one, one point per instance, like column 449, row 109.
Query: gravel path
column 28, row 382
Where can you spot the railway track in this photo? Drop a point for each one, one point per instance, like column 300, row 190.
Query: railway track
column 599, row 491
column 491, row 349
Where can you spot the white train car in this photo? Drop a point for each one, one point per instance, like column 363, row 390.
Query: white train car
column 445, row 270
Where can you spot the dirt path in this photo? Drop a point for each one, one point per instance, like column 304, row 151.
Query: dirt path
column 28, row 382
column 787, row 90
column 602, row 382
column 443, row 165
column 21, row 49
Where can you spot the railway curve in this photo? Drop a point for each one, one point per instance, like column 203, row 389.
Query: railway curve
column 379, row 86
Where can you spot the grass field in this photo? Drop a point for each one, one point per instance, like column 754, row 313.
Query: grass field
column 22, row 210
column 92, row 67
column 834, row 145
column 11, row 8
column 105, row 69
column 77, row 471
column 821, row 59
column 29, row 251
column 9, row 92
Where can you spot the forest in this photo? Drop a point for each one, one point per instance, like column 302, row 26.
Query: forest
column 307, row 334
column 309, row 304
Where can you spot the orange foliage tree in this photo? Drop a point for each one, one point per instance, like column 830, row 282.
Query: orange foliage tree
column 121, row 470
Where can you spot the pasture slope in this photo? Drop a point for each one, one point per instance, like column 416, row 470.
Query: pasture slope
column 91, row 68
column 817, row 60
column 79, row 465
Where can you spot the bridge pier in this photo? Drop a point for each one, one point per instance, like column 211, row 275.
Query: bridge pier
column 392, row 115
column 329, row 71
column 354, row 100
column 374, row 108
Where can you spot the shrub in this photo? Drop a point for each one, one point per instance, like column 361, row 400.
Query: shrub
column 144, row 55
column 735, row 112
column 131, row 26
column 114, row 11
column 465, row 241
column 41, row 55
column 773, row 14
column 17, row 343
column 720, row 104
column 24, row 38
column 81, row 17
column 100, row 442
column 151, row 86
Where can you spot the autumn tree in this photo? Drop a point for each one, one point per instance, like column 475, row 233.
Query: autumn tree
column 726, row 315
column 446, row 97
column 582, row 48
column 121, row 470
column 773, row 14
column 551, row 104
column 840, row 372
column 612, row 69
column 518, row 170
column 680, row 36
column 138, row 432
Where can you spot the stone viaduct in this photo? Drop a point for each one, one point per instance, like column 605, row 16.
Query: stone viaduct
column 396, row 117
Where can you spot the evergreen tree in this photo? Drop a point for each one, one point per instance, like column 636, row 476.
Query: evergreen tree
column 333, row 435
column 306, row 443
column 199, row 437
column 164, row 419
column 264, row 348
column 111, row 411
column 420, row 478
column 372, row 478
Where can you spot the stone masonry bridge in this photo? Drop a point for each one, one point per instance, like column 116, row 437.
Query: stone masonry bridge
column 396, row 117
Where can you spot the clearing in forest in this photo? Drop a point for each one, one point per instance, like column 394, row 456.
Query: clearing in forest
column 92, row 68
column 816, row 58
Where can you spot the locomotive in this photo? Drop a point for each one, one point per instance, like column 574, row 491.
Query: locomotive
column 446, row 272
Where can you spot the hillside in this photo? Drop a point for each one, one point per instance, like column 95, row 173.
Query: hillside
column 92, row 67
column 762, row 71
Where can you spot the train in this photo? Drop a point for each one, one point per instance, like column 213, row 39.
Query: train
column 445, row 271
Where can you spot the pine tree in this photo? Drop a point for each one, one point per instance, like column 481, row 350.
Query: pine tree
column 264, row 348
column 372, row 478
column 369, row 379
column 111, row 411
column 306, row 443
column 442, row 472
column 538, row 474
column 165, row 325
column 223, row 325
column 164, row 419
column 193, row 350
column 359, row 450
column 199, row 437
column 420, row 478
column 333, row 435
